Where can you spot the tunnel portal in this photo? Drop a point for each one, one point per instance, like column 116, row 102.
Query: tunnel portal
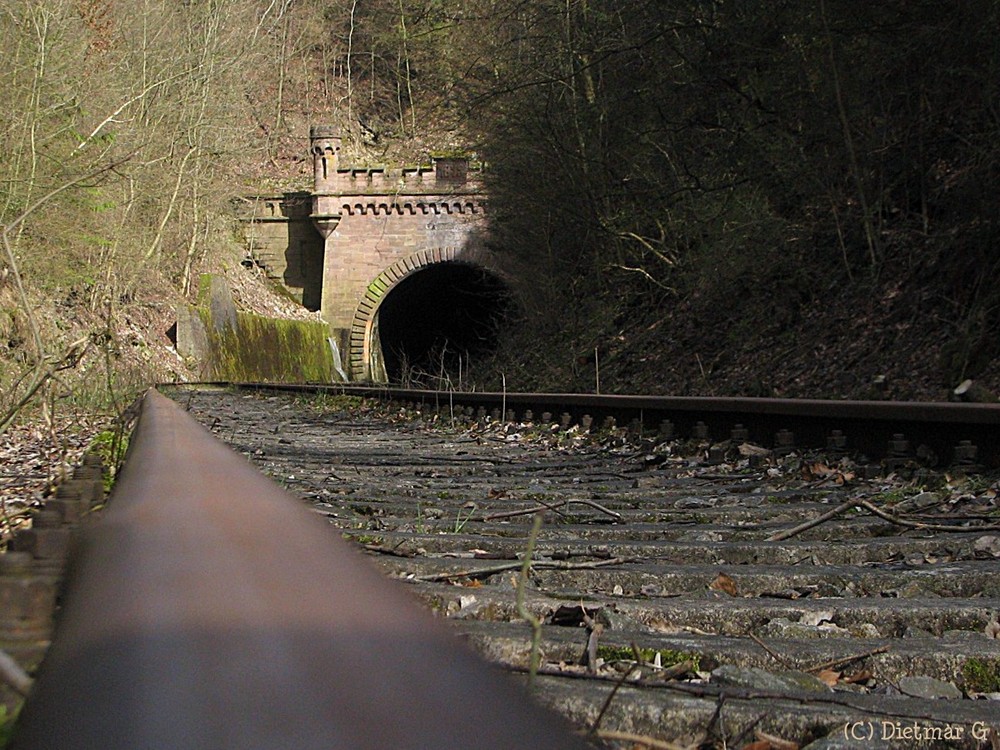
column 433, row 322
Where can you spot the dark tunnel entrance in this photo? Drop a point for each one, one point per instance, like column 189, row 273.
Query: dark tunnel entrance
column 433, row 322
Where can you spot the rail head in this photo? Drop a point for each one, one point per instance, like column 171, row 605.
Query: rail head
column 207, row 608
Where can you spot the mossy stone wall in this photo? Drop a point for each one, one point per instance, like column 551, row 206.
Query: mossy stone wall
column 242, row 347
column 270, row 350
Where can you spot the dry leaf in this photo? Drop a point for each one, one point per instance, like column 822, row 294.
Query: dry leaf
column 758, row 745
column 820, row 470
column 829, row 677
column 724, row 584
column 823, row 473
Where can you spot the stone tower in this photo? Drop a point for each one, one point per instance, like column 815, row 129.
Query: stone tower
column 325, row 147
column 361, row 232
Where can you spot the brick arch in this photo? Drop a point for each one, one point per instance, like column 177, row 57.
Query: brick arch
column 364, row 315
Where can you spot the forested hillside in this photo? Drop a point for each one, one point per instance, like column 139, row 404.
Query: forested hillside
column 709, row 197
column 758, row 197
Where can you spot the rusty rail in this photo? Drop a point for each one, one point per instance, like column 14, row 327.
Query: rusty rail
column 207, row 608
column 872, row 428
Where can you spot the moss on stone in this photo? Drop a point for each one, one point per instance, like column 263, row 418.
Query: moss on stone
column 668, row 657
column 981, row 675
column 251, row 348
column 270, row 350
column 204, row 291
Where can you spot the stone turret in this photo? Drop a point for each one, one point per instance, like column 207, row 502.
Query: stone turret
column 325, row 147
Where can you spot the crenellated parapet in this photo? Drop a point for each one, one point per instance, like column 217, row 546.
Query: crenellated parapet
column 425, row 208
column 363, row 226
column 447, row 186
column 444, row 176
column 278, row 208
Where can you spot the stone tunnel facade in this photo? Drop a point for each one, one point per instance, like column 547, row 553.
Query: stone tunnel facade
column 343, row 247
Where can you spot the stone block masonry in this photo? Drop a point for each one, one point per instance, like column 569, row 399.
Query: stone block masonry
column 376, row 245
column 230, row 345
column 343, row 246
column 282, row 239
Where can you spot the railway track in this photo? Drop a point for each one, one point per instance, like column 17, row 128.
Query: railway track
column 678, row 592
column 664, row 550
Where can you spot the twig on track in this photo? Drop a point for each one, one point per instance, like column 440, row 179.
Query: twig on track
column 552, row 506
column 390, row 551
column 771, row 652
column 892, row 518
column 822, row 518
column 846, row 660
column 541, row 564
column 12, row 675
column 711, row 690
column 532, row 619
column 860, row 502
column 611, row 696
column 594, row 632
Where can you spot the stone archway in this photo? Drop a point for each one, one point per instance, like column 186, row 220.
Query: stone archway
column 366, row 360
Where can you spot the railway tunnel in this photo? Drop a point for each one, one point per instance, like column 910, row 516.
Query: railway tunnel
column 434, row 322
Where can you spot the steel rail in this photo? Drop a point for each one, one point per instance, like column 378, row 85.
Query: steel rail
column 870, row 426
column 207, row 608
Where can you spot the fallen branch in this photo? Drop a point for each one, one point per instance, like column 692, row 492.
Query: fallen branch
column 892, row 518
column 390, row 551
column 859, row 502
column 611, row 696
column 540, row 565
column 552, row 506
column 773, row 654
column 774, row 742
column 594, row 632
column 711, row 690
column 675, row 671
column 532, row 619
column 846, row 660
column 822, row 518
